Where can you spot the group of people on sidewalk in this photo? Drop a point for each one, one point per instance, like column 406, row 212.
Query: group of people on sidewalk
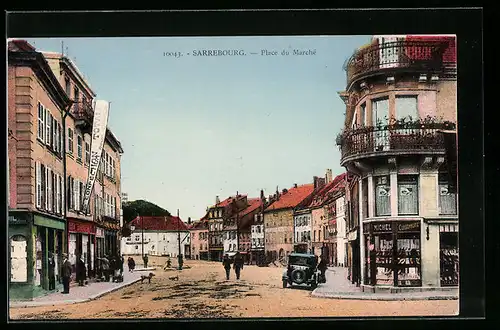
column 110, row 268
column 237, row 263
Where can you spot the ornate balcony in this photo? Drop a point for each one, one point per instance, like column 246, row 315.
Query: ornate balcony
column 399, row 56
column 84, row 115
column 397, row 138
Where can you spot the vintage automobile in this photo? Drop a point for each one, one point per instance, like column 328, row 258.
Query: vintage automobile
column 301, row 269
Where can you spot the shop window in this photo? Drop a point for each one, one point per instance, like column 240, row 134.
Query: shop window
column 448, row 244
column 408, row 259
column 447, row 201
column 407, row 195
column 18, row 259
column 382, row 196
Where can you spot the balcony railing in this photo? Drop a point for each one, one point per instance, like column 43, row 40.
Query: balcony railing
column 83, row 111
column 392, row 139
column 419, row 56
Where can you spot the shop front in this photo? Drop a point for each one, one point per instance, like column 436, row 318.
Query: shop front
column 34, row 240
column 81, row 238
column 393, row 253
column 111, row 241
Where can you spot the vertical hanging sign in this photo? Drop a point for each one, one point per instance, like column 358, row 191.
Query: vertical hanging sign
column 101, row 111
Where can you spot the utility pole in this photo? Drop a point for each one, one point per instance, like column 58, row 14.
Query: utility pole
column 179, row 255
column 142, row 240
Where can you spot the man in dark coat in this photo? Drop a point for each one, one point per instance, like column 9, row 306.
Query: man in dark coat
column 238, row 264
column 52, row 271
column 66, row 272
column 322, row 266
column 81, row 271
column 131, row 264
column 122, row 261
column 145, row 260
column 226, row 262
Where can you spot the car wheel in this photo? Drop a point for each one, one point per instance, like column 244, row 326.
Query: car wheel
column 299, row 276
column 285, row 284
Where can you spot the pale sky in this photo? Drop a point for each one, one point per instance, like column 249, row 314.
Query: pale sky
column 194, row 127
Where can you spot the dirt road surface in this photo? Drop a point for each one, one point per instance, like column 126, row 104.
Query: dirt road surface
column 201, row 291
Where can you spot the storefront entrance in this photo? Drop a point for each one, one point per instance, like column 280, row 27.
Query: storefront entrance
column 392, row 253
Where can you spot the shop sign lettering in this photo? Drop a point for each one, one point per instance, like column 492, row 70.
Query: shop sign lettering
column 412, row 226
column 378, row 227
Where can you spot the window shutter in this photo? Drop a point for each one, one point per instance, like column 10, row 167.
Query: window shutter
column 38, row 178
column 48, row 124
column 61, row 182
column 59, row 195
column 49, row 191
column 77, row 195
column 69, row 192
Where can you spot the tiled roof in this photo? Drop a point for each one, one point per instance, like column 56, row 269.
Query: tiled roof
column 292, row 197
column 228, row 201
column 167, row 223
column 327, row 191
column 254, row 204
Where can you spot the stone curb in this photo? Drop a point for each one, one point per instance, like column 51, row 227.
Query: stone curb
column 381, row 297
column 69, row 302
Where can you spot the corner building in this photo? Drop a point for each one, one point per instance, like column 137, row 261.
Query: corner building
column 400, row 97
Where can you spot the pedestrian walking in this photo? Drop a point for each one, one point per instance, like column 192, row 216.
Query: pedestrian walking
column 145, row 260
column 322, row 266
column 131, row 264
column 52, row 271
column 122, row 261
column 66, row 273
column 105, row 267
column 81, row 272
column 226, row 262
column 238, row 264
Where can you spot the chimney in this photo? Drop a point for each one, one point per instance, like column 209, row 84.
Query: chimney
column 217, row 200
column 262, row 197
column 315, row 181
column 329, row 175
column 284, row 191
column 295, row 185
column 189, row 220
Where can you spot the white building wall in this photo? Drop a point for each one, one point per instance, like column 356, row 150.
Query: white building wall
column 256, row 235
column 229, row 242
column 302, row 224
column 155, row 243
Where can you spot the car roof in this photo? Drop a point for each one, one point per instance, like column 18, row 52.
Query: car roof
column 308, row 255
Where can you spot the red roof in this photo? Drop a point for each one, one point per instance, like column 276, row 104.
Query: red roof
column 327, row 191
column 228, row 201
column 292, row 197
column 167, row 223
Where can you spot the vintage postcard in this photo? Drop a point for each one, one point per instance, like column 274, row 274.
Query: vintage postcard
column 232, row 177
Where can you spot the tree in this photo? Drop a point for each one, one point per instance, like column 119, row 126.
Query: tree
column 143, row 208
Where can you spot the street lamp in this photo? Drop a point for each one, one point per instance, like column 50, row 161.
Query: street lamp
column 179, row 255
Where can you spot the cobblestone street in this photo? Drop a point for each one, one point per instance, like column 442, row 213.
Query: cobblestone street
column 200, row 291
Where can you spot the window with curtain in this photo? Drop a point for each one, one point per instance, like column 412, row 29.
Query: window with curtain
column 447, row 201
column 407, row 194
column 382, row 195
column 363, row 114
column 406, row 107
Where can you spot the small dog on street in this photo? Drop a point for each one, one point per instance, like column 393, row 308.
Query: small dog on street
column 148, row 277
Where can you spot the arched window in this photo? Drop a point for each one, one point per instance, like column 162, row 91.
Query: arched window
column 18, row 259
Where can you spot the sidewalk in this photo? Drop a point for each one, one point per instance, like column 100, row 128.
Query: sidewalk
column 78, row 294
column 337, row 286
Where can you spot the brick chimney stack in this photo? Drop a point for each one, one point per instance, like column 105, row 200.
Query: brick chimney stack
column 217, row 200
column 328, row 175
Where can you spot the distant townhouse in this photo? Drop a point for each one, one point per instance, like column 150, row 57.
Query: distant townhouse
column 302, row 230
column 36, row 102
column 156, row 236
column 278, row 221
column 246, row 220
column 216, row 215
column 257, row 233
column 199, row 239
